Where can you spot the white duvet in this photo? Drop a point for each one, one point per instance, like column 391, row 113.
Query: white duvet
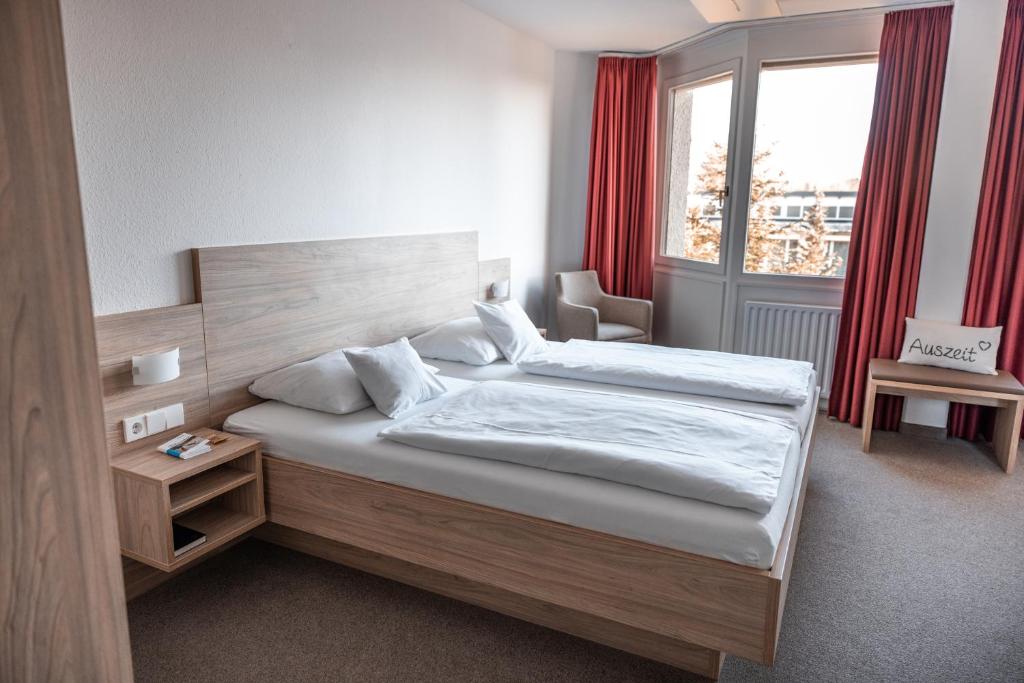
column 695, row 451
column 707, row 373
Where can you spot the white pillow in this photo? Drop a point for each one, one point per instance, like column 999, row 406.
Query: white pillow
column 511, row 329
column 394, row 376
column 326, row 383
column 945, row 345
column 463, row 340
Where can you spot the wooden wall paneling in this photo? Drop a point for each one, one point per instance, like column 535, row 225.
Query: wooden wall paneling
column 62, row 604
column 122, row 335
column 489, row 272
column 270, row 305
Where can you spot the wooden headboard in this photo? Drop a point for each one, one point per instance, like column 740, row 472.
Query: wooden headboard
column 122, row 335
column 271, row 305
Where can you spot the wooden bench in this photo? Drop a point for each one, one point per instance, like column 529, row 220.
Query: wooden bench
column 1002, row 392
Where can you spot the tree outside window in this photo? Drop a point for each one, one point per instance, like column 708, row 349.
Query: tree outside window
column 769, row 239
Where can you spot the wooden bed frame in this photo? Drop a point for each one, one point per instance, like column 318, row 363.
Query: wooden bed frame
column 266, row 306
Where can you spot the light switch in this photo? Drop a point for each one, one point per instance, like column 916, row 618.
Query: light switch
column 156, row 421
column 175, row 415
column 134, row 428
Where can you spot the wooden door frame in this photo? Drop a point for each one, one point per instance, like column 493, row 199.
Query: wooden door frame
column 61, row 588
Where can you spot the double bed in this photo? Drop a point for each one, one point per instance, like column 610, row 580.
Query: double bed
column 672, row 578
column 350, row 444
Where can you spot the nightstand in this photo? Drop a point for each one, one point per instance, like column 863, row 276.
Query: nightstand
column 219, row 493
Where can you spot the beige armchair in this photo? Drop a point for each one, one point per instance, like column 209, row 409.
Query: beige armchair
column 584, row 311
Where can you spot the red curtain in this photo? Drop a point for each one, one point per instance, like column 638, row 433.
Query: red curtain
column 620, row 197
column 888, row 223
column 995, row 283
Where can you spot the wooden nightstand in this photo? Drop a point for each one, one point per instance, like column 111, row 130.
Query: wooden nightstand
column 219, row 493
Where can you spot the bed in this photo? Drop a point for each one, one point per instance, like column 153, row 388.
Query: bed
column 672, row 579
column 350, row 444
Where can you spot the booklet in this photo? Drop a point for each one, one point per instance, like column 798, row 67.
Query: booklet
column 185, row 446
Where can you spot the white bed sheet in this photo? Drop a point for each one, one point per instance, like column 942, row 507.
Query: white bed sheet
column 349, row 443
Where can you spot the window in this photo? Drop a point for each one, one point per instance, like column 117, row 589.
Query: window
column 809, row 140
column 701, row 115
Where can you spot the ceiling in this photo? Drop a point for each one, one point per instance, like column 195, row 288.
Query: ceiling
column 644, row 25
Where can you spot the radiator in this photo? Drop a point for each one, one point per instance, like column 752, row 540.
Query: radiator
column 792, row 331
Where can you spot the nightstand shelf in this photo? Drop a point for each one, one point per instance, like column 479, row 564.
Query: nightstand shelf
column 196, row 490
column 220, row 526
column 219, row 493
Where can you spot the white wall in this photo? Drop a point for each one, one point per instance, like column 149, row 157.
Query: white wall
column 956, row 177
column 240, row 121
column 575, row 78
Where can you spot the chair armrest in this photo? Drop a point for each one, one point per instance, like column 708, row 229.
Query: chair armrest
column 619, row 309
column 576, row 322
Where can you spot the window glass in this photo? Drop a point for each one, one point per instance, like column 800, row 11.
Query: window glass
column 698, row 157
column 810, row 135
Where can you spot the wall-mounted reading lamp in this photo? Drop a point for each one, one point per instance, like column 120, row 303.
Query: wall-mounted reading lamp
column 155, row 368
column 499, row 289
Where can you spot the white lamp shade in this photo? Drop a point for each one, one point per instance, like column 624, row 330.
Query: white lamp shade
column 499, row 289
column 154, row 368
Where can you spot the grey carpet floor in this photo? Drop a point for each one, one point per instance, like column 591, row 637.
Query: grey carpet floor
column 910, row 567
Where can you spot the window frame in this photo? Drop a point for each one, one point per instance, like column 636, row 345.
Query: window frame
column 743, row 276
column 731, row 68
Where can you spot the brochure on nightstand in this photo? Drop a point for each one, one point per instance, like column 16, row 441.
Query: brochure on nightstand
column 185, row 446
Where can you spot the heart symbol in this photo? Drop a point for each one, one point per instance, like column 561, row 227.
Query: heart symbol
column 984, row 345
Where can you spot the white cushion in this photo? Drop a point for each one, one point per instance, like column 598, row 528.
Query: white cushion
column 463, row 340
column 511, row 329
column 394, row 376
column 945, row 345
column 613, row 331
column 326, row 383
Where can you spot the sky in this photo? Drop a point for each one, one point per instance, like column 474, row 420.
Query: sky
column 815, row 118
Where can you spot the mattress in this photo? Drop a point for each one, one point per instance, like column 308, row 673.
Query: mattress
column 349, row 443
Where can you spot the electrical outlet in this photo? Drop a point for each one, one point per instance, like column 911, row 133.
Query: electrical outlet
column 134, row 428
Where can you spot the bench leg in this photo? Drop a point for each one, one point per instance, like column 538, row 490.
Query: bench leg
column 869, row 416
column 1006, row 436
